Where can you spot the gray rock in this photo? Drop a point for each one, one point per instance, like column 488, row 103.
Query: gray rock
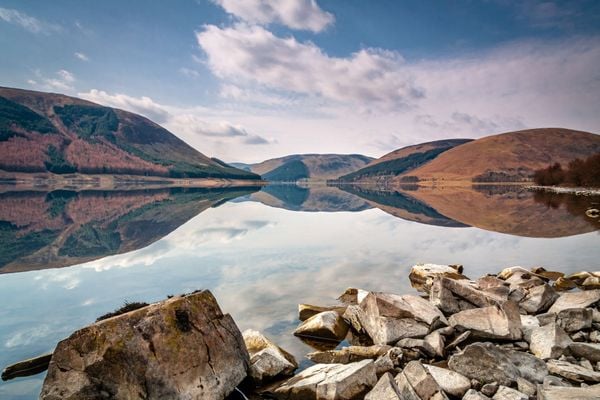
column 353, row 296
column 530, row 367
column 267, row 360
column 466, row 290
column 451, row 382
column 474, row 395
column 385, row 389
column 580, row 336
column 546, row 318
column 581, row 299
column 538, row 299
column 183, row 347
column 526, row 387
column 572, row 372
column 490, row 389
column 353, row 315
column 574, row 319
column 330, row 382
column 423, row 383
column 458, row 340
column 594, row 336
column 549, row 341
column 436, row 342
column 388, row 361
column 588, row 351
column 552, row 380
column 348, row 354
column 406, row 306
column 486, row 363
column 405, row 388
column 305, row 311
column 422, row 275
column 496, row 322
column 572, row 393
column 328, row 325
column 441, row 297
column 418, row 344
column 506, row 393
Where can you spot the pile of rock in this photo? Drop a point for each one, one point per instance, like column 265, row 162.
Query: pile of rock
column 514, row 335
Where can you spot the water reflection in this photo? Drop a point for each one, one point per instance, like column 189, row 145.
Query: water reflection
column 261, row 261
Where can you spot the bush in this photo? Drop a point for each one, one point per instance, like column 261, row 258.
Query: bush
column 579, row 173
column 553, row 175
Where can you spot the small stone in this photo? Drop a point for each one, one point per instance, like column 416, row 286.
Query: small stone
column 581, row 299
column 496, row 322
column 474, row 395
column 546, row 318
column 451, row 382
column 594, row 336
column 588, row 351
column 418, row 344
column 458, row 340
column 552, row 380
column 353, row 296
column 506, row 393
column 563, row 284
column 549, row 341
column 328, row 325
column 586, row 364
column 580, row 336
column 490, row 389
column 267, row 360
column 385, row 389
column 436, row 342
column 572, row 372
column 574, row 319
column 526, row 387
column 388, row 361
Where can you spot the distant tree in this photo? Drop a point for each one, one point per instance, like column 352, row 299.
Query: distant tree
column 553, row 175
column 579, row 173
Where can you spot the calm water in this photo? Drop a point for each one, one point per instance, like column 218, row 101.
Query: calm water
column 68, row 257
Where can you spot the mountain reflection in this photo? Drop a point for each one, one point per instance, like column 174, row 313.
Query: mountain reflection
column 41, row 230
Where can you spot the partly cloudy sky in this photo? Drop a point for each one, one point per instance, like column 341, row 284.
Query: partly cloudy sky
column 246, row 80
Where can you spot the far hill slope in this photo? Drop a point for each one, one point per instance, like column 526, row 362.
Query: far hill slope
column 402, row 160
column 509, row 157
column 315, row 167
column 47, row 132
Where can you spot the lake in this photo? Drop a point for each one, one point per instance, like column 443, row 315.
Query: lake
column 69, row 256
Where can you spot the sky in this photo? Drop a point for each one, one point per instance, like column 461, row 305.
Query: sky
column 248, row 80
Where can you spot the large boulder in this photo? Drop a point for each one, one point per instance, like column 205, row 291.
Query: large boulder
column 267, row 360
column 581, row 299
column 183, row 347
column 495, row 322
column 485, row 363
column 330, row 382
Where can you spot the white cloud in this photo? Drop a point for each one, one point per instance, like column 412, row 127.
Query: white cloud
column 243, row 53
column 81, row 56
column 296, row 14
column 62, row 81
column 190, row 73
column 27, row 22
column 141, row 105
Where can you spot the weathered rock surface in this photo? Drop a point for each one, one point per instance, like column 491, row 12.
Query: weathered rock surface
column 530, row 367
column 183, row 347
column 422, row 382
column 328, row 325
column 267, row 360
column 473, row 394
column 353, row 296
column 348, row 354
column 385, row 389
column 330, row 382
column 486, row 363
column 538, row 299
column 305, row 311
column 548, row 341
column 571, row 393
column 451, row 382
column 589, row 351
column 421, row 275
column 574, row 319
column 572, row 372
column 506, row 393
column 581, row 299
column 496, row 322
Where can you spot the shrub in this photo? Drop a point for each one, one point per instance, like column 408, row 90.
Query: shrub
column 579, row 173
column 553, row 175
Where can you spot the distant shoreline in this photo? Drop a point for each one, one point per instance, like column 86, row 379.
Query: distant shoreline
column 578, row 191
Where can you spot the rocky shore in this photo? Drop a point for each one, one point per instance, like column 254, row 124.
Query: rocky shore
column 516, row 335
column 578, row 191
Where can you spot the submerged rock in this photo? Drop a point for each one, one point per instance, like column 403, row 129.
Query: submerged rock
column 330, row 382
column 267, row 360
column 183, row 347
column 328, row 325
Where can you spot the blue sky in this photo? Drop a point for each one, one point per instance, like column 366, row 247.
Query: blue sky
column 247, row 80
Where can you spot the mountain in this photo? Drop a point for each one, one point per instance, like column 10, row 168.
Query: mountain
column 40, row 230
column 402, row 160
column 47, row 132
column 508, row 157
column 313, row 167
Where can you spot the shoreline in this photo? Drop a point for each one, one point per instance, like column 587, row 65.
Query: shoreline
column 577, row 191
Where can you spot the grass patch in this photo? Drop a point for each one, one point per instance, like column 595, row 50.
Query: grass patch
column 125, row 308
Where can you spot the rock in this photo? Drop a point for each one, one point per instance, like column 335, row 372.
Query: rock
column 388, row 361
column 586, row 364
column 589, row 351
column 563, row 284
column 548, row 341
column 406, row 306
column 550, row 275
column 490, row 389
column 405, row 388
column 328, row 325
column 526, row 387
column 458, row 340
column 506, row 393
column 575, row 300
column 436, row 342
column 384, row 323
column 423, row 383
column 183, row 347
column 354, row 315
column 595, row 336
column 468, row 291
column 572, row 372
column 538, row 299
column 330, row 382
column 573, row 393
column 451, row 382
column 574, row 319
column 528, row 324
column 530, row 367
column 474, row 395
column 421, row 275
column 305, row 311
column 580, row 336
column 441, row 297
column 353, row 296
column 32, row 366
column 518, row 272
column 486, row 363
column 503, row 322
column 348, row 354
column 419, row 344
column 385, row 389
column 267, row 360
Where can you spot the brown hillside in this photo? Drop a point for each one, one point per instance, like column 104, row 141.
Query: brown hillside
column 511, row 156
column 418, row 148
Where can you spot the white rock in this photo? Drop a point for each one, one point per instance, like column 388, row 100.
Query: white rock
column 572, row 372
column 506, row 393
column 548, row 341
column 451, row 382
column 581, row 299
column 503, row 322
column 328, row 325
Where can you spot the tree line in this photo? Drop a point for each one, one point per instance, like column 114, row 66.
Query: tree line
column 579, row 172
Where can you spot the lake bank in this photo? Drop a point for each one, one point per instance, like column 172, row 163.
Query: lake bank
column 577, row 191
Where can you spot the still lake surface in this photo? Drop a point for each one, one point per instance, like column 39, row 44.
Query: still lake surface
column 67, row 257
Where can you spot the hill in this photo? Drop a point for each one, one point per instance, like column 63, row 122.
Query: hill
column 47, row 132
column 314, row 167
column 402, row 160
column 509, row 157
